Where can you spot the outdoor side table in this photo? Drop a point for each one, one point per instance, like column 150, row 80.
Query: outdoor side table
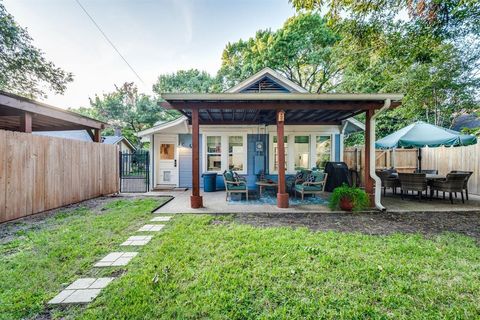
column 265, row 184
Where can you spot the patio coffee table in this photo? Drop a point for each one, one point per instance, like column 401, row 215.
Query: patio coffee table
column 265, row 184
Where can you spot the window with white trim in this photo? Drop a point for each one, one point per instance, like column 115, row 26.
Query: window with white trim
column 225, row 152
column 323, row 149
column 236, row 153
column 302, row 151
column 275, row 152
column 214, row 153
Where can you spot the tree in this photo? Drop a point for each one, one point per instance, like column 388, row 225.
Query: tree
column 303, row 50
column 127, row 110
column 23, row 67
column 187, row 81
column 450, row 18
column 431, row 54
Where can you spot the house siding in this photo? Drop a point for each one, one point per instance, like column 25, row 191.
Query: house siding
column 257, row 161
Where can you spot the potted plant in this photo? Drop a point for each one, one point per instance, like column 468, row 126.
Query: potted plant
column 348, row 199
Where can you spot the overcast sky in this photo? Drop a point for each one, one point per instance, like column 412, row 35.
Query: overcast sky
column 155, row 36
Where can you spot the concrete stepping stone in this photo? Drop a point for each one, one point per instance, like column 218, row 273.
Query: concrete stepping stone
column 161, row 219
column 115, row 259
column 83, row 290
column 137, row 241
column 152, row 227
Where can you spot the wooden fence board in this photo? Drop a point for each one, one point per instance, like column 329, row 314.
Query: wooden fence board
column 41, row 173
column 405, row 160
column 3, row 170
column 458, row 158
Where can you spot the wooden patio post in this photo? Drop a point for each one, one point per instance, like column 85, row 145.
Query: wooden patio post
column 368, row 180
column 26, row 122
column 196, row 200
column 97, row 136
column 282, row 196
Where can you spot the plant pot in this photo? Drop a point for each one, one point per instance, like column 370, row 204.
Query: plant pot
column 346, row 204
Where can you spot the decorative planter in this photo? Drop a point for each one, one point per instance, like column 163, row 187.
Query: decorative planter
column 346, row 204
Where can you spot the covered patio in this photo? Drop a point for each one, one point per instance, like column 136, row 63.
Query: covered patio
column 214, row 203
column 278, row 109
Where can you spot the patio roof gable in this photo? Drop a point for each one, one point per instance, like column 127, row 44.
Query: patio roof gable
column 267, row 80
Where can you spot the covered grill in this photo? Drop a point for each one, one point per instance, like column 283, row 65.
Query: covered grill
column 338, row 174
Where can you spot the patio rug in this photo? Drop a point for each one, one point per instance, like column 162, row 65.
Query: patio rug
column 269, row 197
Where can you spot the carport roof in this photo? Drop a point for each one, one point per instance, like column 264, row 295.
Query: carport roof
column 44, row 116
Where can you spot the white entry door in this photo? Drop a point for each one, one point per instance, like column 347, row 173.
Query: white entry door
column 167, row 164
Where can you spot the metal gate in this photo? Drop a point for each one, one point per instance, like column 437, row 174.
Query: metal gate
column 134, row 171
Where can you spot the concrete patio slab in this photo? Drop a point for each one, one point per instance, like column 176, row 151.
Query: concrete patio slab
column 137, row 241
column 151, row 227
column 161, row 219
column 214, row 202
column 83, row 290
column 116, row 259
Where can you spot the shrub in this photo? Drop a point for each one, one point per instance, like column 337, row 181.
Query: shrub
column 358, row 197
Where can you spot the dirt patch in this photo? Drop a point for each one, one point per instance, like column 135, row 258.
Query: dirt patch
column 17, row 228
column 427, row 223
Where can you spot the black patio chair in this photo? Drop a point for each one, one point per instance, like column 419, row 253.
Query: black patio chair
column 452, row 184
column 465, row 184
column 413, row 182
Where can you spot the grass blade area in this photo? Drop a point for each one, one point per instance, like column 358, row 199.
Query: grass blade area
column 208, row 267
column 38, row 261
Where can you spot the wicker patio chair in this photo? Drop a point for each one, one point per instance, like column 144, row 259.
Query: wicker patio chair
column 452, row 184
column 234, row 186
column 413, row 182
column 465, row 184
column 314, row 187
column 388, row 180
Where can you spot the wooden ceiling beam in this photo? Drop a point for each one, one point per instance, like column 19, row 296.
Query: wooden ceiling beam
column 272, row 105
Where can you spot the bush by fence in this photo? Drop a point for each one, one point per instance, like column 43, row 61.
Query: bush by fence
column 40, row 173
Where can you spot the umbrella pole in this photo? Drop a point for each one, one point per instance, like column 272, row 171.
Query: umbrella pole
column 419, row 160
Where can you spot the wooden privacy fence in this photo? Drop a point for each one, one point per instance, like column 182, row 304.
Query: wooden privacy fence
column 458, row 158
column 404, row 160
column 40, row 173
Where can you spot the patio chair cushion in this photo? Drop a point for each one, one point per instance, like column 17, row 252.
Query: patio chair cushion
column 237, row 187
column 229, row 176
column 319, row 176
column 236, row 176
column 300, row 187
column 311, row 178
column 299, row 175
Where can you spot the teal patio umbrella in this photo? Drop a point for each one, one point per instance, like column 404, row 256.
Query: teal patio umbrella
column 421, row 134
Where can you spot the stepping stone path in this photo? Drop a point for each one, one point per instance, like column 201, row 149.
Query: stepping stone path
column 152, row 227
column 137, row 241
column 115, row 259
column 161, row 219
column 82, row 290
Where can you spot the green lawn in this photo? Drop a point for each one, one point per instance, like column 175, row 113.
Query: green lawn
column 208, row 267
column 41, row 261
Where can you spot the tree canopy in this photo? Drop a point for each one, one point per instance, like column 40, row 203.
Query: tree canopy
column 23, row 67
column 302, row 50
column 187, row 81
column 128, row 110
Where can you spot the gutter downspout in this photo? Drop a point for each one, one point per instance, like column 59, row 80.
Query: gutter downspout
column 373, row 175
